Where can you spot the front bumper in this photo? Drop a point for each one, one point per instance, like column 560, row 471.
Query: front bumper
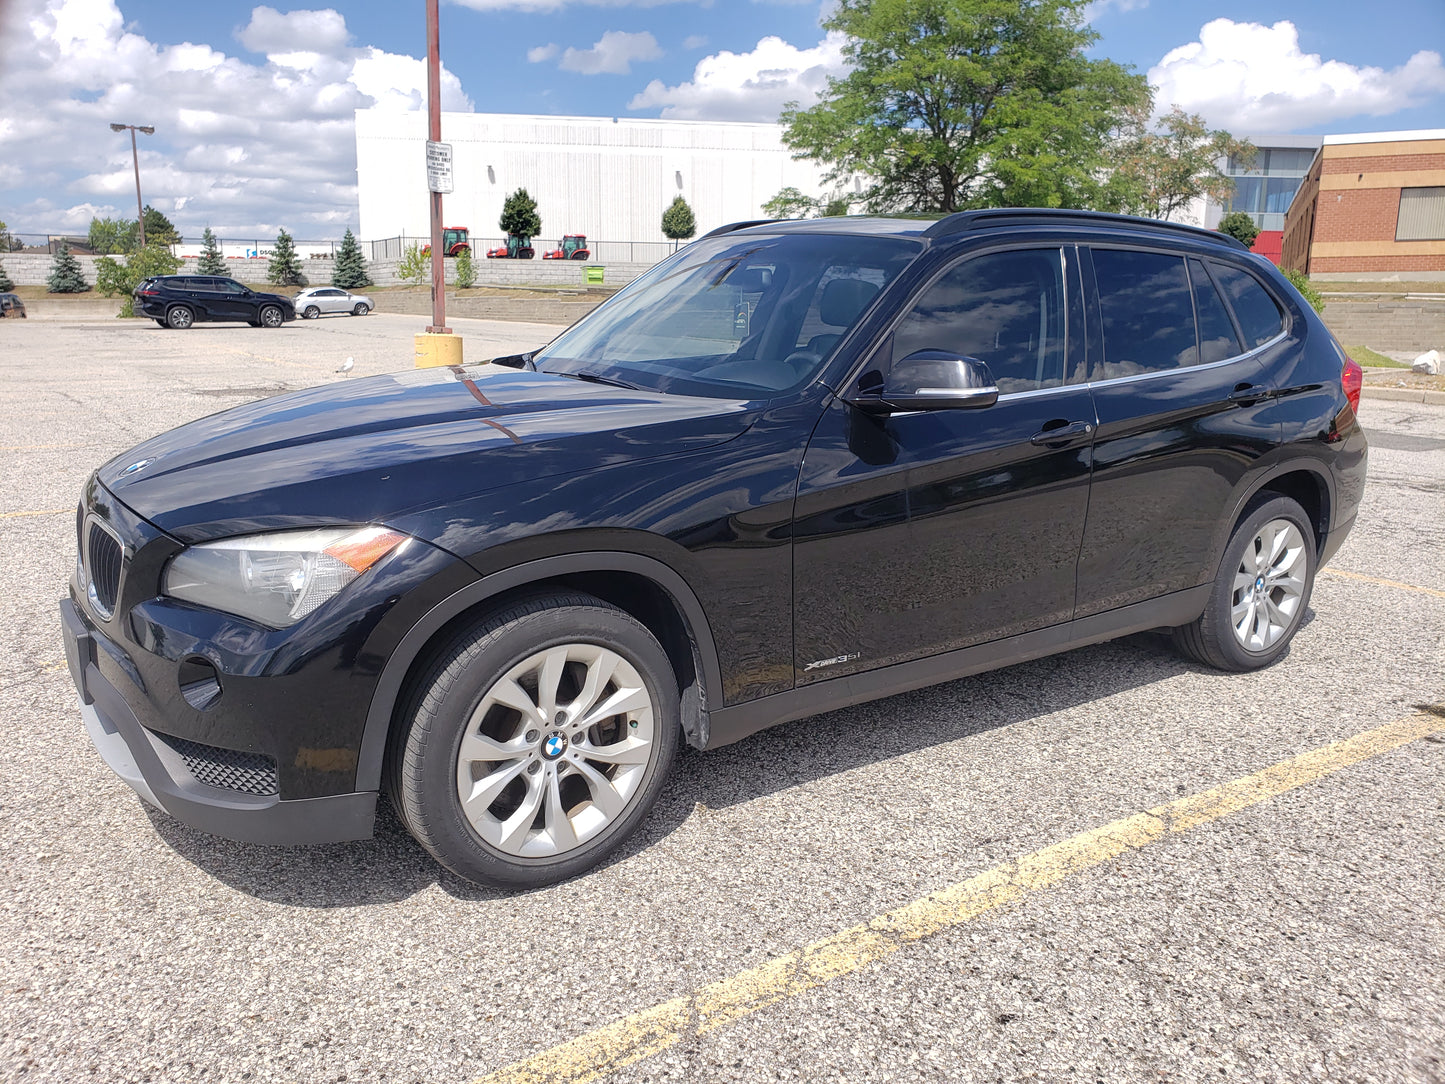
column 162, row 776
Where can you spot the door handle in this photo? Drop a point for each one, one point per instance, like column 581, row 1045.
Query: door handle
column 1246, row 394
column 1060, row 435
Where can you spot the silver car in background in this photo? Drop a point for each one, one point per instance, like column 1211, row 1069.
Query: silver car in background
column 319, row 300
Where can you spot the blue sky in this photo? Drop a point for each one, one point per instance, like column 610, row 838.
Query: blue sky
column 253, row 104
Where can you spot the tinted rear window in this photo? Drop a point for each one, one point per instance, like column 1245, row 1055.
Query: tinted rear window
column 1259, row 317
column 1217, row 339
column 1147, row 311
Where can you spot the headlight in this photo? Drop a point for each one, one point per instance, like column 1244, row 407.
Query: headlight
column 279, row 578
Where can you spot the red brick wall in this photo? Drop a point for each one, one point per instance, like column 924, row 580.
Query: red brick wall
column 1367, row 215
column 1387, row 163
column 1322, row 264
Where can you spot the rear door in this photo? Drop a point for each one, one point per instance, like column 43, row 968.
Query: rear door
column 1184, row 414
column 924, row 532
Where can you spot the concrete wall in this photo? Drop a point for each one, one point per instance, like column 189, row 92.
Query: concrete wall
column 1387, row 323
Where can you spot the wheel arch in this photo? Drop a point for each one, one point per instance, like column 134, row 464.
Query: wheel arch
column 1305, row 482
column 643, row 586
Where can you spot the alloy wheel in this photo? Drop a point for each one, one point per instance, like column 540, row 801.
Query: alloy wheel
column 1269, row 585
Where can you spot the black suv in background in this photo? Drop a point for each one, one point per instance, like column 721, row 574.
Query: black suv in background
column 796, row 466
column 179, row 301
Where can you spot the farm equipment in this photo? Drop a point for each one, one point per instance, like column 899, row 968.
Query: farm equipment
column 573, row 247
column 516, row 248
column 454, row 240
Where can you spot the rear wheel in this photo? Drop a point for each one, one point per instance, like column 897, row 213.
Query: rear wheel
column 311, row 312
column 180, row 317
column 271, row 316
column 1261, row 591
column 537, row 742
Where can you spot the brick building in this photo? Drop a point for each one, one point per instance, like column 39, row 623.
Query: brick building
column 1371, row 206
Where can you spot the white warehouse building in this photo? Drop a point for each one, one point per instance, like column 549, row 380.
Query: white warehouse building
column 609, row 178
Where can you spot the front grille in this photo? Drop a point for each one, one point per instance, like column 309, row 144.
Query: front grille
column 103, row 560
column 250, row 773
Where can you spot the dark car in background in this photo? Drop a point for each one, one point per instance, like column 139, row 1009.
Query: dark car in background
column 796, row 466
column 12, row 306
column 178, row 301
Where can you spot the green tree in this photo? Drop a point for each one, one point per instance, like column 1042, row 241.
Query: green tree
column 1159, row 171
column 1239, row 225
column 65, row 274
column 113, row 278
column 1306, row 288
column 966, row 103
column 350, row 270
column 109, row 235
column 788, row 203
column 212, row 262
column 159, row 229
column 519, row 215
column 413, row 267
column 678, row 221
column 285, row 268
column 466, row 270
column 5, row 283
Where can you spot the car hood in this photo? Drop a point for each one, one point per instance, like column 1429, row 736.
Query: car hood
column 365, row 451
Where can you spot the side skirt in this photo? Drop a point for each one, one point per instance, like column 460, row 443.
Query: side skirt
column 739, row 721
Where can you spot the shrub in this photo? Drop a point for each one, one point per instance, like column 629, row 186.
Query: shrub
column 116, row 279
column 65, row 274
column 678, row 221
column 519, row 215
column 1300, row 281
column 1240, row 226
column 466, row 270
column 413, row 266
column 5, row 283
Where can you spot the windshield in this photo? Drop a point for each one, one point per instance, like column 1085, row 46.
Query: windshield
column 732, row 317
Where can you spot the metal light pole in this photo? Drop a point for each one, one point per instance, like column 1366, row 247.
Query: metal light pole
column 140, row 215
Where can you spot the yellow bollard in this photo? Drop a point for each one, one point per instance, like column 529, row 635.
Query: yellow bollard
column 434, row 350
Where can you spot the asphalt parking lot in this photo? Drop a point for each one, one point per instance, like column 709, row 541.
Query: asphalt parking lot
column 846, row 898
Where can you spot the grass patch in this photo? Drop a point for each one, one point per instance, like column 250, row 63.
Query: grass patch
column 1367, row 358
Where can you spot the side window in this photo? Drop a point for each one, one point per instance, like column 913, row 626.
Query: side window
column 1217, row 339
column 1147, row 311
column 1259, row 317
column 230, row 286
column 1006, row 309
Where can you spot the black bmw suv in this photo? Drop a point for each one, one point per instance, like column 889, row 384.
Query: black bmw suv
column 796, row 466
column 178, row 301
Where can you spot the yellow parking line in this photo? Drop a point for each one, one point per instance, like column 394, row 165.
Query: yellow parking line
column 1383, row 583
column 41, row 512
column 608, row 1049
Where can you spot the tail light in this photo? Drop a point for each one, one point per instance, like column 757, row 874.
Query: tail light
column 1352, row 379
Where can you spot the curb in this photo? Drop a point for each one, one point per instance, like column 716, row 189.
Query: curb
column 1405, row 395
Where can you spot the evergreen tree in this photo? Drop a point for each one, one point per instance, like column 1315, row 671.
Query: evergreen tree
column 212, row 262
column 285, row 268
column 350, row 270
column 519, row 215
column 5, row 283
column 678, row 221
column 159, row 230
column 65, row 274
column 466, row 270
column 1239, row 225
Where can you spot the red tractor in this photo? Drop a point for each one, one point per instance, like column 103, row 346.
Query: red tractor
column 455, row 239
column 516, row 248
column 574, row 247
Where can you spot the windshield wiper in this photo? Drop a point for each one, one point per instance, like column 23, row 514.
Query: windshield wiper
column 593, row 378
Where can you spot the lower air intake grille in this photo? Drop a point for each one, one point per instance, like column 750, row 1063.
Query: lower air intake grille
column 250, row 773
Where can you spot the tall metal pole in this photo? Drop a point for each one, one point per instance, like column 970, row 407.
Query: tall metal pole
column 140, row 215
column 434, row 121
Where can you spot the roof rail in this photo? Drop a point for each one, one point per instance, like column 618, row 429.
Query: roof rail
column 963, row 221
column 733, row 227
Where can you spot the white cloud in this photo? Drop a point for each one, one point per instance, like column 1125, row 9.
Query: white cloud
column 694, row 41
column 243, row 146
column 749, row 86
column 1248, row 77
column 542, row 52
column 612, row 54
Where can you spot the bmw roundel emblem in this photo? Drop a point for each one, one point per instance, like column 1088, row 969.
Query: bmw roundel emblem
column 554, row 746
column 136, row 466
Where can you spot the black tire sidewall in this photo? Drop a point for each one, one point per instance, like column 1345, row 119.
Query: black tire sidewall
column 427, row 774
column 1221, row 598
column 261, row 316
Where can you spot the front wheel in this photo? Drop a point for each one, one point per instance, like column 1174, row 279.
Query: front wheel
column 271, row 316
column 360, row 310
column 311, row 312
column 1261, row 591
column 537, row 742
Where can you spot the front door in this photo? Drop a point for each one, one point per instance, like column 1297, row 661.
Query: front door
column 925, row 532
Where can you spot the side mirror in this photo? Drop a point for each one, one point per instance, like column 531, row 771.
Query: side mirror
column 931, row 380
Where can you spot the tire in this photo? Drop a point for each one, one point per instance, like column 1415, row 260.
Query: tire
column 360, row 309
column 180, row 317
column 1261, row 591
column 271, row 316
column 311, row 312
column 477, row 714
